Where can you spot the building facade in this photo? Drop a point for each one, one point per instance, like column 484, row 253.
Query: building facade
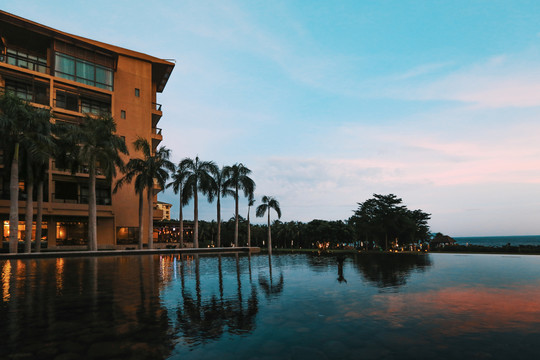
column 75, row 76
column 163, row 211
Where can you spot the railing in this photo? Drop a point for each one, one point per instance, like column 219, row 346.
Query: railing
column 30, row 96
column 156, row 131
column 80, row 199
column 79, row 170
column 80, row 108
column 156, row 106
column 25, row 62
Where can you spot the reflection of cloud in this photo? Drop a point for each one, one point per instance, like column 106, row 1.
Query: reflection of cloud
column 457, row 311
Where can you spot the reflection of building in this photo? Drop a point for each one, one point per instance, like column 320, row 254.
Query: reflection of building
column 162, row 211
column 75, row 76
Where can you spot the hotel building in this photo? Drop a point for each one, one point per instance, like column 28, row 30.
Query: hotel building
column 75, row 76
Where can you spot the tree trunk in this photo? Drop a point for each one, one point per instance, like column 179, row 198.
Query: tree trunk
column 218, row 221
column 28, row 217
column 181, row 219
column 141, row 217
column 14, row 202
column 195, row 219
column 92, row 209
column 150, row 218
column 236, row 218
column 269, row 234
column 39, row 215
column 248, row 230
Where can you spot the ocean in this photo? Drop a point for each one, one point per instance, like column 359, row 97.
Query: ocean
column 499, row 240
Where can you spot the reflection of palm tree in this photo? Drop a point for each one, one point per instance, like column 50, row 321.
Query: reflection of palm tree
column 341, row 278
column 202, row 320
column 268, row 203
column 269, row 287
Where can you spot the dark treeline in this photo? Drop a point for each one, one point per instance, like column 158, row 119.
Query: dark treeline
column 381, row 222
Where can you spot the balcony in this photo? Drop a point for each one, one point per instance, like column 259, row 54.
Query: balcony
column 83, row 107
column 25, row 61
column 156, row 137
column 156, row 113
column 79, row 170
column 79, row 199
column 34, row 93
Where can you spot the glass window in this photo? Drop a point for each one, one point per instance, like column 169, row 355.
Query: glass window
column 85, row 72
column 137, row 92
column 104, row 78
column 123, row 114
column 82, row 71
column 65, row 67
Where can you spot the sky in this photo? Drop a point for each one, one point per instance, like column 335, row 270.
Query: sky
column 331, row 102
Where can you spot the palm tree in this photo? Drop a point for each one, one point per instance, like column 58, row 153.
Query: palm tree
column 238, row 179
column 151, row 168
column 251, row 201
column 268, row 203
column 37, row 148
column 220, row 177
column 95, row 144
column 17, row 126
column 179, row 180
column 198, row 179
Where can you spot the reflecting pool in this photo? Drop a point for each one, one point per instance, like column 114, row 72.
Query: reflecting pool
column 377, row 306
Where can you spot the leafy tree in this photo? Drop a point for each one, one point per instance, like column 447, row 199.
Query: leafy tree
column 199, row 178
column 238, row 179
column 383, row 217
column 268, row 203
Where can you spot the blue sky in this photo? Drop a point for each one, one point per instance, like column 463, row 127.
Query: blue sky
column 329, row 102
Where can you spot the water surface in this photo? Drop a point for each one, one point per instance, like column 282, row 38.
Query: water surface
column 283, row 307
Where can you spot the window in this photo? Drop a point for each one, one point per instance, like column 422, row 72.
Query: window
column 123, row 114
column 65, row 191
column 96, row 107
column 66, row 100
column 71, row 233
column 137, row 92
column 27, row 61
column 127, row 235
column 83, row 71
column 33, row 91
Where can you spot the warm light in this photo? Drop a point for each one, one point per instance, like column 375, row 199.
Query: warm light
column 6, row 276
column 59, row 275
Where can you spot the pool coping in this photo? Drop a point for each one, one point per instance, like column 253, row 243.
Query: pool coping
column 86, row 253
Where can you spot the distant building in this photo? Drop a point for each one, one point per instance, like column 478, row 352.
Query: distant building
column 75, row 76
column 163, row 211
